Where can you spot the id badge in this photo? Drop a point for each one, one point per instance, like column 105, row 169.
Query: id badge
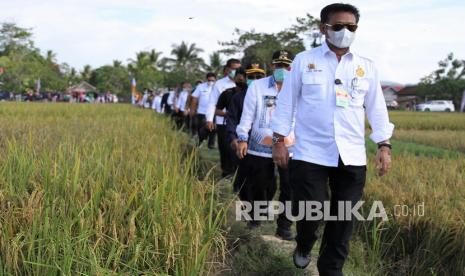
column 342, row 97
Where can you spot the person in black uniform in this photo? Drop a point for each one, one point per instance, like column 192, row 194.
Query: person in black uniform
column 233, row 117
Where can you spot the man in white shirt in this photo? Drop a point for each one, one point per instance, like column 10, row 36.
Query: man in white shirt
column 220, row 86
column 255, row 149
column 156, row 103
column 199, row 106
column 182, row 107
column 326, row 95
column 145, row 98
column 170, row 102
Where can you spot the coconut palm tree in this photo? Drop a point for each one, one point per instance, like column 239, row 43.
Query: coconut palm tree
column 117, row 63
column 51, row 57
column 216, row 64
column 186, row 58
column 86, row 73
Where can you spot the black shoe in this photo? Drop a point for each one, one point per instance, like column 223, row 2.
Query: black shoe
column 284, row 233
column 253, row 224
column 301, row 258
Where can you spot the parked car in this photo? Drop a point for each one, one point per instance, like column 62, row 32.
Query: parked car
column 438, row 105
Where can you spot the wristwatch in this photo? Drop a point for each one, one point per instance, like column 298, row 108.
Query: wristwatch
column 277, row 140
column 385, row 145
column 242, row 139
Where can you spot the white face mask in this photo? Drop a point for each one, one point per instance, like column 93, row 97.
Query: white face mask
column 342, row 38
column 210, row 83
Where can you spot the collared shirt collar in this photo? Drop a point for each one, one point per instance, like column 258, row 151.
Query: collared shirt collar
column 326, row 50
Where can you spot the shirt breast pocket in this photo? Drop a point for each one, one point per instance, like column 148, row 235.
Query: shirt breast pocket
column 313, row 84
column 359, row 92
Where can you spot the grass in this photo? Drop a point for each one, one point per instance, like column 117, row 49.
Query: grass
column 102, row 190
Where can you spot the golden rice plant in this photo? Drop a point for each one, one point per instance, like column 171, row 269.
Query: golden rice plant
column 101, row 190
column 446, row 139
column 432, row 243
column 428, row 120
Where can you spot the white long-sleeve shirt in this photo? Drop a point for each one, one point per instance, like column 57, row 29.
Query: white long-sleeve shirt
column 220, row 86
column 144, row 99
column 258, row 109
column 171, row 97
column 156, row 104
column 323, row 130
column 202, row 92
column 182, row 100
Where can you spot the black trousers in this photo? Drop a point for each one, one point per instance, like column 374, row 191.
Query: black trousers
column 178, row 118
column 203, row 132
column 257, row 182
column 227, row 164
column 309, row 182
column 168, row 110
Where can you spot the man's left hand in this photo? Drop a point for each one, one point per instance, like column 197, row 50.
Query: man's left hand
column 383, row 160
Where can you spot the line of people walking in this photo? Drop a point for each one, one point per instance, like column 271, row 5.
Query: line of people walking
column 303, row 124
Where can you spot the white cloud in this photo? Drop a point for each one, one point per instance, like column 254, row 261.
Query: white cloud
column 406, row 39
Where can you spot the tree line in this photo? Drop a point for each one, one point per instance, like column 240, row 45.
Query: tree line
column 22, row 63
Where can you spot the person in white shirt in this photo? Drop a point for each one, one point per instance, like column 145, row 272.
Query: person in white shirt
column 199, row 106
column 156, row 103
column 255, row 149
column 182, row 107
column 145, row 97
column 170, row 101
column 220, row 86
column 327, row 94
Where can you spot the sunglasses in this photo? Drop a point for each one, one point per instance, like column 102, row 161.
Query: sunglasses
column 254, row 77
column 339, row 26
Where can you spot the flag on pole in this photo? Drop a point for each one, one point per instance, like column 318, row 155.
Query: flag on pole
column 38, row 86
column 462, row 106
column 133, row 91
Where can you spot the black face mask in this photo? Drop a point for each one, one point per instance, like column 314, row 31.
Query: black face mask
column 241, row 85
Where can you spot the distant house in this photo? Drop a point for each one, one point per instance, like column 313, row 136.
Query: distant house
column 407, row 97
column 81, row 92
column 390, row 91
column 82, row 87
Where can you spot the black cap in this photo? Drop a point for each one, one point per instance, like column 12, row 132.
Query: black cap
column 282, row 56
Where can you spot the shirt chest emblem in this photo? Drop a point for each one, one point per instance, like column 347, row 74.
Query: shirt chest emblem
column 311, row 67
column 360, row 72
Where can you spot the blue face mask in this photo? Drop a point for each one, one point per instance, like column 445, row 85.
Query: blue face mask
column 232, row 74
column 280, row 74
column 249, row 82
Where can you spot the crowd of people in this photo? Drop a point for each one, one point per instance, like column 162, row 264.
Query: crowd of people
column 238, row 105
column 69, row 97
column 302, row 124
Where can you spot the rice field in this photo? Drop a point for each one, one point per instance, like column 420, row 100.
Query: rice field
column 114, row 190
column 102, row 190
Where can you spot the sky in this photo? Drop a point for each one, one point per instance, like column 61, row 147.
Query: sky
column 406, row 39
